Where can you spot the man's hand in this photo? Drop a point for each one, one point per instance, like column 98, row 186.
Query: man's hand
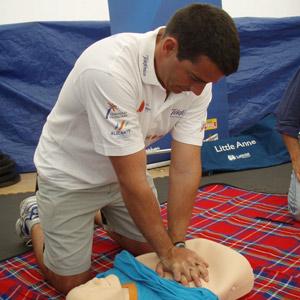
column 185, row 266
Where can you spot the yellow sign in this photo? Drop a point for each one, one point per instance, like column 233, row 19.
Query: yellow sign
column 211, row 124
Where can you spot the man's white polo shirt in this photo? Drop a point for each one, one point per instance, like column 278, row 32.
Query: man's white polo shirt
column 112, row 104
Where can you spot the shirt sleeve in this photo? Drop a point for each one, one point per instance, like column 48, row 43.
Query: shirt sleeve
column 110, row 104
column 190, row 129
column 288, row 110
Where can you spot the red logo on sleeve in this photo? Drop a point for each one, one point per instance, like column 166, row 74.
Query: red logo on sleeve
column 142, row 106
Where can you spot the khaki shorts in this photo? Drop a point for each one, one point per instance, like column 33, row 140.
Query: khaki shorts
column 67, row 220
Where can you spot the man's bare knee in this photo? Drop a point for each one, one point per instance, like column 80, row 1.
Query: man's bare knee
column 65, row 283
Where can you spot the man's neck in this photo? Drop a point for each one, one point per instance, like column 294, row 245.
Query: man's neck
column 157, row 56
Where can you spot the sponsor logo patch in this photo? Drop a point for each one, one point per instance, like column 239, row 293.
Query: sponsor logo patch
column 120, row 129
column 145, row 64
column 147, row 107
column 177, row 113
column 141, row 107
column 113, row 112
column 120, row 125
column 122, row 133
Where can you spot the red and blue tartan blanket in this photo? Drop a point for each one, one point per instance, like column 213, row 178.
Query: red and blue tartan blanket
column 255, row 224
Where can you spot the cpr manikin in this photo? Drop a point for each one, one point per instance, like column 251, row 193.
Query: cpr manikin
column 230, row 275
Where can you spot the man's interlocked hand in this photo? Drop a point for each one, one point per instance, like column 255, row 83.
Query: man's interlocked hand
column 185, row 266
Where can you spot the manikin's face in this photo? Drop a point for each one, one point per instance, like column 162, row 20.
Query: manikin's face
column 179, row 76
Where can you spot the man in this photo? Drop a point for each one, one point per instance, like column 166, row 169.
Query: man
column 124, row 93
column 288, row 117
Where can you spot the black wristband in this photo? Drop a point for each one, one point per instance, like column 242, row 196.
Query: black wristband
column 180, row 244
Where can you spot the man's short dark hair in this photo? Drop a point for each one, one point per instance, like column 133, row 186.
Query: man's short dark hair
column 203, row 29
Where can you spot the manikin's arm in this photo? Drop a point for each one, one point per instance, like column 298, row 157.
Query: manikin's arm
column 142, row 205
column 293, row 147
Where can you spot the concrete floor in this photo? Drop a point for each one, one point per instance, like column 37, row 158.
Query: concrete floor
column 27, row 182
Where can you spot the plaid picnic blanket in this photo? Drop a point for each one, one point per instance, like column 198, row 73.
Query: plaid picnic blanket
column 255, row 224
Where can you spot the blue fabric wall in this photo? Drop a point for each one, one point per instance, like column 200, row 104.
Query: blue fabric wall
column 35, row 59
column 270, row 55
column 145, row 15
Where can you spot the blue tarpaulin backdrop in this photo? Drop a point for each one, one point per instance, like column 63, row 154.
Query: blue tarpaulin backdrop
column 270, row 55
column 35, row 59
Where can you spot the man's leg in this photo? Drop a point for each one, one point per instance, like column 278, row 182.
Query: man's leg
column 29, row 229
column 61, row 231
column 120, row 226
column 62, row 283
column 131, row 245
column 134, row 247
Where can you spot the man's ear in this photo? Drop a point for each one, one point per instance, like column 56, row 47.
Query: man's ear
column 170, row 45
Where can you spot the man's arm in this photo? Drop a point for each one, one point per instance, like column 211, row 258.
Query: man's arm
column 293, row 147
column 185, row 175
column 140, row 200
column 288, row 120
column 184, row 264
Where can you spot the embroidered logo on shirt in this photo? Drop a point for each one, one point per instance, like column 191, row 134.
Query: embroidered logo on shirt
column 177, row 113
column 145, row 64
column 142, row 106
column 113, row 112
column 120, row 125
column 147, row 107
column 120, row 129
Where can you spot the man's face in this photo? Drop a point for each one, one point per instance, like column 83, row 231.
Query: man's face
column 179, row 76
